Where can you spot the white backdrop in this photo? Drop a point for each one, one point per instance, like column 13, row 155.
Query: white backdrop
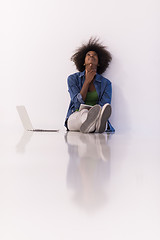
column 37, row 39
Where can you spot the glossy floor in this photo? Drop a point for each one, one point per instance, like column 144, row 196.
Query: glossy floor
column 79, row 186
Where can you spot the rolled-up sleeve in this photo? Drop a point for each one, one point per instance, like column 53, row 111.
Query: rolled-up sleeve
column 74, row 91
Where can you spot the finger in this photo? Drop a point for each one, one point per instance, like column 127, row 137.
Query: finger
column 93, row 71
column 90, row 67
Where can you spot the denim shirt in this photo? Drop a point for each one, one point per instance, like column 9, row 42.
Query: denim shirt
column 103, row 87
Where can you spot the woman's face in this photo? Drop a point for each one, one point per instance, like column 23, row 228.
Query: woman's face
column 91, row 58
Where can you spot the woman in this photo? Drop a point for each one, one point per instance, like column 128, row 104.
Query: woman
column 90, row 92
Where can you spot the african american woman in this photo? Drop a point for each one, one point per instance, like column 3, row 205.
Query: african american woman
column 90, row 92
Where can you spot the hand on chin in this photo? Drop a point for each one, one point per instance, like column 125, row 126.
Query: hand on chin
column 91, row 66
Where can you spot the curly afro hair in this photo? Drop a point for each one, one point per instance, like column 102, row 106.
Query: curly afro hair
column 104, row 57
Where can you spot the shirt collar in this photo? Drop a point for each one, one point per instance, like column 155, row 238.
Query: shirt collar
column 97, row 78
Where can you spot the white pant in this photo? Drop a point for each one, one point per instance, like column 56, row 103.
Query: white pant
column 76, row 119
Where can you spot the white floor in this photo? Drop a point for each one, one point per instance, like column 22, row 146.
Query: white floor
column 73, row 186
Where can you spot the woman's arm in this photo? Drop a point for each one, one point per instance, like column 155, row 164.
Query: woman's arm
column 106, row 94
column 89, row 77
column 74, row 91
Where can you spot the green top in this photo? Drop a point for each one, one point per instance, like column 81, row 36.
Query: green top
column 91, row 98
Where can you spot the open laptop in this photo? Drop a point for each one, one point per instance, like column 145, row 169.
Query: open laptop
column 27, row 122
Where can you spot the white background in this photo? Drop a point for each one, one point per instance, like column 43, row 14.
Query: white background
column 41, row 197
column 37, row 39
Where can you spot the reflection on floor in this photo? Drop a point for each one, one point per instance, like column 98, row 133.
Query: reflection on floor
column 70, row 185
column 88, row 168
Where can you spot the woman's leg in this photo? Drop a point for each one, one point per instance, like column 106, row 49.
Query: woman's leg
column 89, row 125
column 76, row 119
column 102, row 120
column 84, row 120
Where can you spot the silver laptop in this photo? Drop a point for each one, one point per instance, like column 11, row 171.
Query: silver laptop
column 27, row 122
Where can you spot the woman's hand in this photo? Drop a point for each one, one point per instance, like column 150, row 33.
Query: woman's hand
column 91, row 70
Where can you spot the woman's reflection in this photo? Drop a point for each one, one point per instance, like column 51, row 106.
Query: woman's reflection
column 88, row 168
